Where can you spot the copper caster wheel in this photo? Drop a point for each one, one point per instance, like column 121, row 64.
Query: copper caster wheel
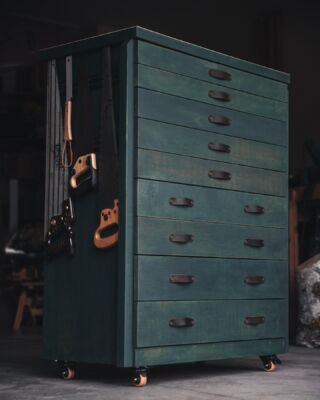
column 140, row 380
column 68, row 373
column 270, row 366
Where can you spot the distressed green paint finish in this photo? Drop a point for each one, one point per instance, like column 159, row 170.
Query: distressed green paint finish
column 213, row 278
column 194, row 171
column 208, row 351
column 153, row 135
column 174, row 110
column 214, row 321
column 209, row 204
column 182, row 86
column 194, row 67
column 209, row 239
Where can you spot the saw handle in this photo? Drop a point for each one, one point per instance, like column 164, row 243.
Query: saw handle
column 109, row 217
column 67, row 151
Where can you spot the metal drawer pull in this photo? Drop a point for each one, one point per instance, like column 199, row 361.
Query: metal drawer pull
column 181, row 238
column 181, row 322
column 219, row 120
column 254, row 320
column 254, row 280
column 222, row 175
column 215, row 94
column 181, row 202
column 223, row 148
column 181, row 278
column 223, row 75
column 254, row 242
column 250, row 209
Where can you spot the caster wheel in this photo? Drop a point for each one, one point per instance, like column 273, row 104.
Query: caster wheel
column 68, row 373
column 270, row 366
column 140, row 380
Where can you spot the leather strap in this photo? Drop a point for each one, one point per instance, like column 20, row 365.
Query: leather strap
column 221, row 147
column 221, row 175
column 181, row 322
column 218, row 95
column 181, row 202
column 219, row 74
column 181, row 238
column 254, row 242
column 181, row 278
column 219, row 120
column 254, row 280
column 254, row 209
column 256, row 320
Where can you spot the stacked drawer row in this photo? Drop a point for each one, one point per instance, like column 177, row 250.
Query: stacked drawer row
column 211, row 245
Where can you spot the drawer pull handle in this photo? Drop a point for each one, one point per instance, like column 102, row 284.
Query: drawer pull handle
column 250, row 209
column 223, row 148
column 222, row 175
column 222, row 75
column 181, row 238
column 219, row 120
column 181, row 202
column 254, row 280
column 181, row 322
column 216, row 94
column 181, row 278
column 254, row 320
column 254, row 242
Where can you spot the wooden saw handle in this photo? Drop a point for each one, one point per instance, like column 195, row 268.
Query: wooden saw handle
column 108, row 217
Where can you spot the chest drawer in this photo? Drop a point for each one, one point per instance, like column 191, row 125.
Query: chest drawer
column 180, row 278
column 195, row 171
column 175, row 110
column 186, row 202
column 211, row 93
column 183, row 64
column 169, row 323
column 183, row 238
column 153, row 135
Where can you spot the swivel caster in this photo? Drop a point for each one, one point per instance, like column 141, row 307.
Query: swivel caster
column 140, row 377
column 67, row 370
column 270, row 362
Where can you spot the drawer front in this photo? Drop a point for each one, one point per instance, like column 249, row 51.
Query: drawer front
column 175, row 110
column 183, row 64
column 181, row 278
column 153, row 135
column 195, row 171
column 186, row 202
column 211, row 93
column 183, row 238
column 169, row 323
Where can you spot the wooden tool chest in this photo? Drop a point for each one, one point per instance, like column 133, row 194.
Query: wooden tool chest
column 200, row 268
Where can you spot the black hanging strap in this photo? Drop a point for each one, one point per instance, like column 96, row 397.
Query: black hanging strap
column 106, row 234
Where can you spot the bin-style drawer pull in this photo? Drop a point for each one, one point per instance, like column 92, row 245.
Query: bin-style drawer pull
column 216, row 94
column 254, row 242
column 222, row 175
column 222, row 75
column 181, row 322
column 253, row 209
column 181, row 278
column 181, row 238
column 254, row 280
column 219, row 120
column 254, row 320
column 221, row 147
column 181, row 202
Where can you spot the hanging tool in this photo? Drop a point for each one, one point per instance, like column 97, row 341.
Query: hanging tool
column 67, row 150
column 106, row 235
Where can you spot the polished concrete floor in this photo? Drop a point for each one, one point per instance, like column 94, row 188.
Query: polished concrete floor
column 25, row 376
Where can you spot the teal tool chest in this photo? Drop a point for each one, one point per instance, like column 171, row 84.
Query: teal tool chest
column 199, row 267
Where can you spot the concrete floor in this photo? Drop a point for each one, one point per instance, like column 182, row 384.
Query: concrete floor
column 25, row 376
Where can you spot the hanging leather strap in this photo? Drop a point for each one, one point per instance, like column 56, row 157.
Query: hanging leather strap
column 106, row 235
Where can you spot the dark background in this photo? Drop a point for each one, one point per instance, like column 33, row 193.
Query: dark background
column 278, row 34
